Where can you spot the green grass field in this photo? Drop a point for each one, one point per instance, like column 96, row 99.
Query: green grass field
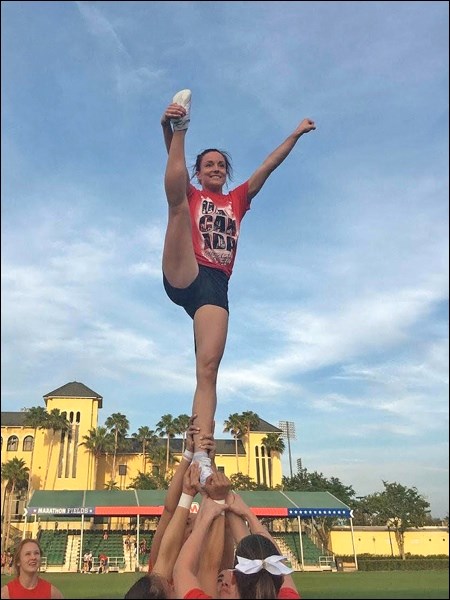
column 389, row 585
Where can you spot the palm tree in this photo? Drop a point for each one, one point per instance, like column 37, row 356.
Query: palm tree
column 249, row 420
column 157, row 456
column 56, row 421
column 273, row 442
column 167, row 426
column 144, row 436
column 111, row 485
column 233, row 425
column 182, row 425
column 16, row 475
column 118, row 424
column 37, row 418
column 98, row 441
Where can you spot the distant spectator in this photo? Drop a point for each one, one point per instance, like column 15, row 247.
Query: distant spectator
column 105, row 535
column 87, row 561
column 90, row 558
column 103, row 560
column 128, row 541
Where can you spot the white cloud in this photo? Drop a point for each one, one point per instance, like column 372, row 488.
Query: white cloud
column 339, row 298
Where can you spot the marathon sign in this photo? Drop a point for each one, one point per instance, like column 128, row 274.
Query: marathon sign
column 61, row 511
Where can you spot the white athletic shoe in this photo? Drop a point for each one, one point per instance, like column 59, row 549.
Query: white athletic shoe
column 205, row 468
column 184, row 99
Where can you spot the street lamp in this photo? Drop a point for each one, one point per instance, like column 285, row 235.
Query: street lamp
column 288, row 429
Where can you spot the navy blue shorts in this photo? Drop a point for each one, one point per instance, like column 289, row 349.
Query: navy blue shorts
column 209, row 287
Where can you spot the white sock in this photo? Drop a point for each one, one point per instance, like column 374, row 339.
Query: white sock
column 199, row 454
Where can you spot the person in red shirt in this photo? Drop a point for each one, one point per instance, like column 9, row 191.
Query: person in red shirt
column 103, row 563
column 159, row 582
column 201, row 243
column 259, row 570
column 175, row 490
column 27, row 583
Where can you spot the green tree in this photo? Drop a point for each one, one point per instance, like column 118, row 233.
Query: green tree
column 144, row 435
column 99, row 441
column 118, row 424
column 112, row 485
column 317, row 482
column 273, row 442
column 242, row 482
column 144, row 481
column 233, row 425
column 398, row 507
column 55, row 422
column 37, row 418
column 157, row 455
column 182, row 425
column 15, row 474
column 167, row 426
column 249, row 421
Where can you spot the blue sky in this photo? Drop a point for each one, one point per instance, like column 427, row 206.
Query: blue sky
column 339, row 296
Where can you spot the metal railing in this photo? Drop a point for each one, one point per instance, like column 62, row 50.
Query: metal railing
column 115, row 564
column 327, row 562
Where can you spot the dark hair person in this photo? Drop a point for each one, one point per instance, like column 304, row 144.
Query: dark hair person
column 201, row 243
column 259, row 571
column 149, row 586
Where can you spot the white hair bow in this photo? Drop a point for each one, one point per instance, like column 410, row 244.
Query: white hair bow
column 272, row 564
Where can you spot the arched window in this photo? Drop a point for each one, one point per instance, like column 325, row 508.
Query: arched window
column 13, row 443
column 28, row 443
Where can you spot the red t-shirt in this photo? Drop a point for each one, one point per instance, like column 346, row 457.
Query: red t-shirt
column 196, row 593
column 42, row 590
column 216, row 220
column 285, row 593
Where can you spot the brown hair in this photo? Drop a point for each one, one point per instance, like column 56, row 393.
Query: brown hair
column 262, row 584
column 16, row 558
column 149, row 586
column 226, row 157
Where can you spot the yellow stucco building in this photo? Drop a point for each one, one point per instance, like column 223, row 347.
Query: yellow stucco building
column 60, row 461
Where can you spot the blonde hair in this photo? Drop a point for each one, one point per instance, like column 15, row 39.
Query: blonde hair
column 16, row 559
